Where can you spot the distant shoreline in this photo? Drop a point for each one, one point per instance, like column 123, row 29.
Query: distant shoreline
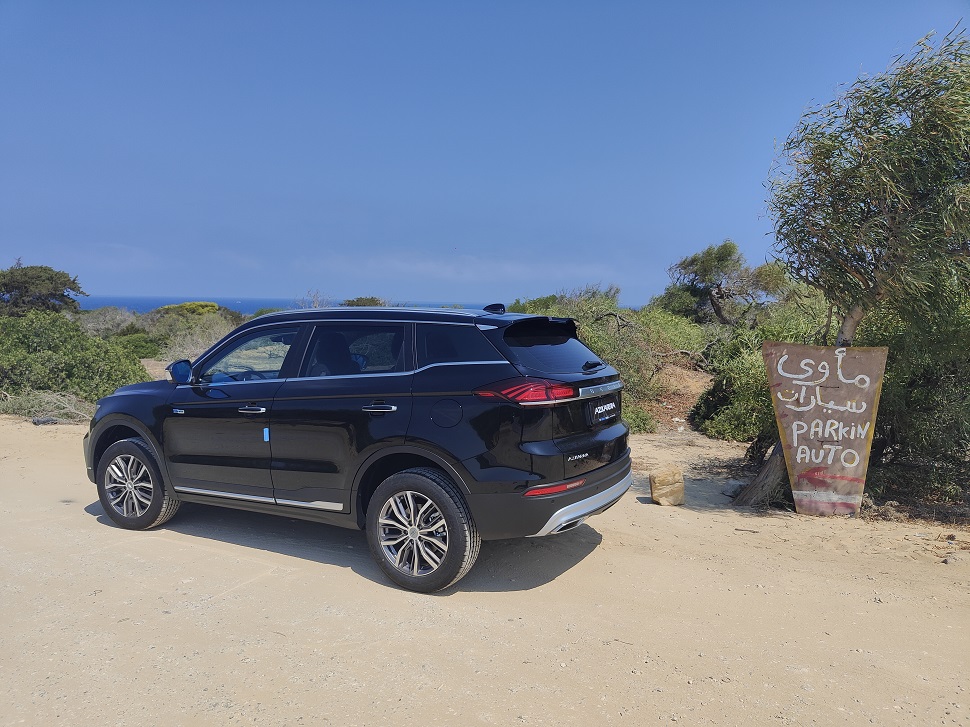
column 246, row 306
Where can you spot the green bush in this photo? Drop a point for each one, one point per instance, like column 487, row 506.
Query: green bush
column 186, row 330
column 140, row 345
column 46, row 351
column 666, row 331
column 737, row 405
column 922, row 432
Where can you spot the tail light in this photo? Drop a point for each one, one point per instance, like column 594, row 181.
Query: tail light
column 553, row 489
column 527, row 390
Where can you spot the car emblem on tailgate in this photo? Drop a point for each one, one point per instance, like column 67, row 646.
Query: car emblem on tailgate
column 602, row 411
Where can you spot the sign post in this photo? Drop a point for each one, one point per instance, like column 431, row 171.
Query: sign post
column 825, row 402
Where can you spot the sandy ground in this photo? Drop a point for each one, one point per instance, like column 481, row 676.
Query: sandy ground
column 701, row 614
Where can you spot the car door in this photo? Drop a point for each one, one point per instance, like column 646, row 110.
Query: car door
column 216, row 432
column 352, row 395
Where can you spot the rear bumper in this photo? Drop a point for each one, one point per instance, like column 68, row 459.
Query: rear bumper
column 572, row 515
column 511, row 515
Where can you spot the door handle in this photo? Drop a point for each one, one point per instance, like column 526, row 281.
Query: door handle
column 252, row 410
column 379, row 408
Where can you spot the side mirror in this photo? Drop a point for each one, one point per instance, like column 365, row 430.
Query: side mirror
column 179, row 372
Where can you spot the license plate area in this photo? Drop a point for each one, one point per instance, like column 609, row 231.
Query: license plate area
column 602, row 411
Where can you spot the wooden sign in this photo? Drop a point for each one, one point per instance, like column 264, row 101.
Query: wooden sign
column 825, row 402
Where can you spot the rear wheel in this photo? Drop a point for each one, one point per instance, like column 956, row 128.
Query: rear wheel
column 130, row 486
column 420, row 530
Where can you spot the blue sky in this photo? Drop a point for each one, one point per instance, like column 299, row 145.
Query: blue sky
column 416, row 151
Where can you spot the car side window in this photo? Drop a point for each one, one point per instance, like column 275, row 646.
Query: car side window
column 348, row 349
column 254, row 357
column 452, row 344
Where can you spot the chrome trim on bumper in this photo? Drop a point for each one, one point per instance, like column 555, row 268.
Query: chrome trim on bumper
column 582, row 509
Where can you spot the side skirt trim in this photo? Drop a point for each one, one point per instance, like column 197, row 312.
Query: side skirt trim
column 228, row 495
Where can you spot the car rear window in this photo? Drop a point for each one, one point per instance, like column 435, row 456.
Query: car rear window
column 548, row 345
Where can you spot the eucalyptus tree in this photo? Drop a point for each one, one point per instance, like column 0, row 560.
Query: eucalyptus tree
column 871, row 193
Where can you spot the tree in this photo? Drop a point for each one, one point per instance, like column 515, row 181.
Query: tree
column 25, row 288
column 717, row 280
column 871, row 201
column 871, row 196
column 365, row 301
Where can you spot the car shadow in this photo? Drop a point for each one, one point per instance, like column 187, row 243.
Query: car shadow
column 503, row 565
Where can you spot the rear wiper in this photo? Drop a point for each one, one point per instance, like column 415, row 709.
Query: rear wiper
column 590, row 365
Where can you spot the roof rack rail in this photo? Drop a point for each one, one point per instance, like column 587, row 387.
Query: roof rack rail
column 498, row 308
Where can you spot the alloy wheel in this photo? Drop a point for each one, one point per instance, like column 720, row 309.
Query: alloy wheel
column 413, row 533
column 128, row 485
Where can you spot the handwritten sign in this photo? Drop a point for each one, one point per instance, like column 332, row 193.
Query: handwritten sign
column 825, row 402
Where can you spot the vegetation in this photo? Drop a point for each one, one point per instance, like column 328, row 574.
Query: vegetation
column 717, row 285
column 45, row 351
column 872, row 195
column 364, row 301
column 871, row 204
column 25, row 288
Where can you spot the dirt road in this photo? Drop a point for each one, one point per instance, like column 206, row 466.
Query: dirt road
column 700, row 614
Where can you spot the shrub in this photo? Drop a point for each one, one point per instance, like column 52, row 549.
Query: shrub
column 45, row 351
column 192, row 340
column 737, row 405
column 186, row 330
column 365, row 301
column 105, row 321
column 922, row 432
column 140, row 345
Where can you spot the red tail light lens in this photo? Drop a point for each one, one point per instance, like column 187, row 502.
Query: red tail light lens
column 553, row 489
column 527, row 390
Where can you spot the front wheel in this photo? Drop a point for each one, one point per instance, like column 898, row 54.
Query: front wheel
column 130, row 486
column 420, row 530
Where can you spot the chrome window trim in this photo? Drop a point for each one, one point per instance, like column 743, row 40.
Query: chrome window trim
column 214, row 384
column 219, row 493
column 315, row 505
column 392, row 373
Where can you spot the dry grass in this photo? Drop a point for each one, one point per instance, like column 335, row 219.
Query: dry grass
column 59, row 406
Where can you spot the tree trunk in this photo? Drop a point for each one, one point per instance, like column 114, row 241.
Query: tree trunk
column 714, row 296
column 770, row 482
column 849, row 324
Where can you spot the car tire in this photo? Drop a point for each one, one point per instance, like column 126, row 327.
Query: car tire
column 130, row 486
column 420, row 530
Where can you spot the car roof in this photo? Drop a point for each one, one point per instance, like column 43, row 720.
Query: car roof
column 429, row 315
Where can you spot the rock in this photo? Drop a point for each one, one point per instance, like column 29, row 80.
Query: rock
column 667, row 487
column 733, row 487
column 40, row 421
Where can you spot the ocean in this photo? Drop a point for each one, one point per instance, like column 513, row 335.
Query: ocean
column 246, row 306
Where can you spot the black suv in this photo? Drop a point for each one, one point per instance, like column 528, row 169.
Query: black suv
column 429, row 429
